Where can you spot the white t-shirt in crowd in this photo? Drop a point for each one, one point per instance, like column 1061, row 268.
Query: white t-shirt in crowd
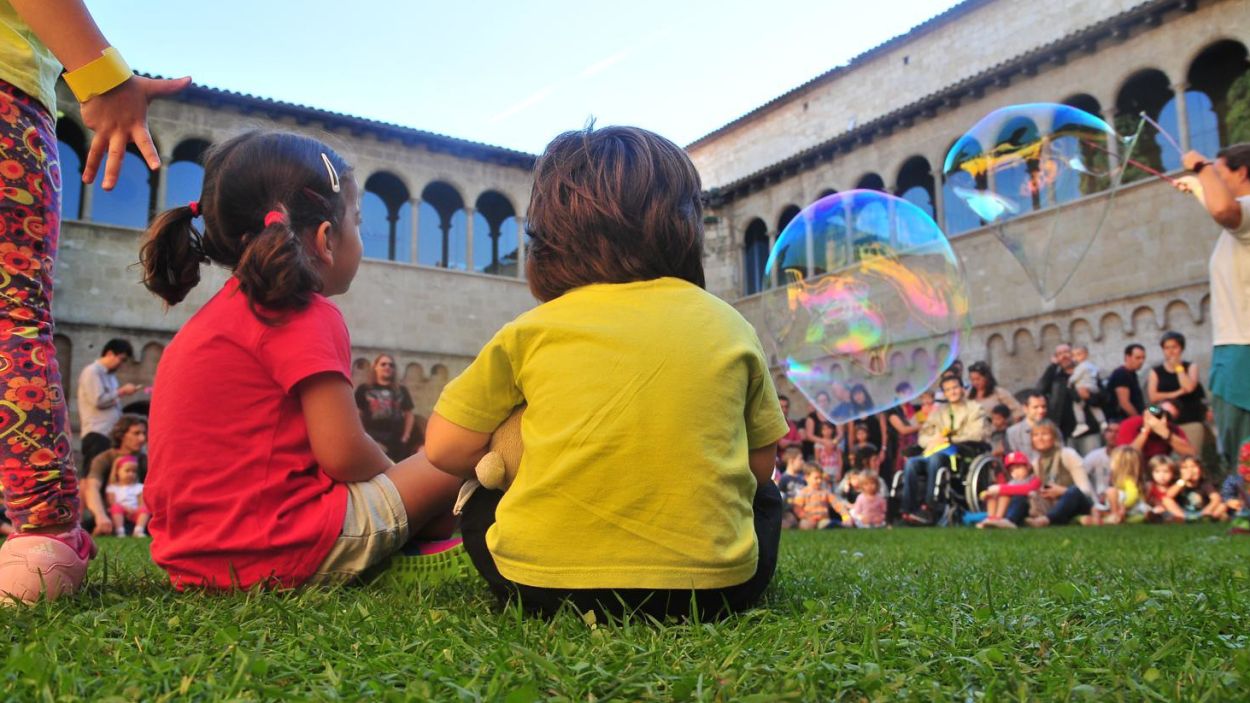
column 127, row 496
column 1230, row 282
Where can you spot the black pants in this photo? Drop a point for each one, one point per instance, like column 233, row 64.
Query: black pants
column 93, row 445
column 479, row 515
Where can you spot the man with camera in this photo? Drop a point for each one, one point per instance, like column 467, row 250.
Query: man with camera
column 1155, row 432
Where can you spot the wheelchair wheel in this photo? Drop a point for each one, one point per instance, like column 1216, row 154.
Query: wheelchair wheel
column 981, row 474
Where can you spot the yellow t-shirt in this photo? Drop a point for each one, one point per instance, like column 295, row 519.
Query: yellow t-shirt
column 25, row 61
column 643, row 399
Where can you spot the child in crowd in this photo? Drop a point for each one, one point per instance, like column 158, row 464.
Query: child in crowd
column 1195, row 495
column 1236, row 491
column 1163, row 476
column 1084, row 378
column 829, row 451
column 1123, row 500
column 817, row 506
column 283, row 487
column 870, row 506
column 620, row 502
column 1019, row 481
column 1000, row 420
column 791, row 483
column 928, row 401
column 125, row 497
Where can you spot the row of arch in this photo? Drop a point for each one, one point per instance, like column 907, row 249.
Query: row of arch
column 1211, row 109
column 436, row 227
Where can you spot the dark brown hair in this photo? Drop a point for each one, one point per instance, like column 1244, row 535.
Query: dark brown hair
column 1236, row 157
column 613, row 205
column 124, row 423
column 244, row 179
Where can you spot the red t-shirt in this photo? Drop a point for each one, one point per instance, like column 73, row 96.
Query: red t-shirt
column 235, row 493
column 1155, row 445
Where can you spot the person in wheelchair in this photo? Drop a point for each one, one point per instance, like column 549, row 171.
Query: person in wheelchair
column 956, row 422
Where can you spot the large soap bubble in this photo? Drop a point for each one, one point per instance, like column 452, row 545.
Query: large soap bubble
column 1023, row 159
column 867, row 305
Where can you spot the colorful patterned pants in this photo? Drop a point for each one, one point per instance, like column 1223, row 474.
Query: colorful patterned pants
column 36, row 460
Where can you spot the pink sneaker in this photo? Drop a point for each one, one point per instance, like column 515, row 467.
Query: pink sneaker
column 51, row 566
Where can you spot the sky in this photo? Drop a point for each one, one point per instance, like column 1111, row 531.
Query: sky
column 512, row 74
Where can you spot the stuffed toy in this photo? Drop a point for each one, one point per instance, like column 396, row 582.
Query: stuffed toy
column 498, row 468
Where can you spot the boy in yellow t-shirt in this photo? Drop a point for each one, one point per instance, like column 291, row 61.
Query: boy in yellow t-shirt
column 651, row 423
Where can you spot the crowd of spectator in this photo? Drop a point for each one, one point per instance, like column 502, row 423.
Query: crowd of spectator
column 1083, row 445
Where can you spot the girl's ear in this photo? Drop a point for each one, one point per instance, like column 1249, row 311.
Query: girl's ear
column 323, row 244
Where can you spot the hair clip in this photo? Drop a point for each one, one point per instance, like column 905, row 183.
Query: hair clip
column 274, row 217
column 334, row 175
column 194, row 207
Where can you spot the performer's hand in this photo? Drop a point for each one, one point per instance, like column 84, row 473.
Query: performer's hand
column 1191, row 159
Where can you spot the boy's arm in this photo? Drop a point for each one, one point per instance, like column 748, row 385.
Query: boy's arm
column 761, row 460
column 456, row 450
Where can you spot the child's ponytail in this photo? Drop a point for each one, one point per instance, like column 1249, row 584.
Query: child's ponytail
column 276, row 272
column 172, row 254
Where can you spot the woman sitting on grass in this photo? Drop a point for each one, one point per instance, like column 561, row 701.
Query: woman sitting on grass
column 620, row 501
column 260, row 471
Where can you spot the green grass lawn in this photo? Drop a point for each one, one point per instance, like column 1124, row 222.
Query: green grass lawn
column 1132, row 613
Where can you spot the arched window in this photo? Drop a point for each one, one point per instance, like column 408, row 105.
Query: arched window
column 71, row 146
column 442, row 227
column 185, row 175
column 1072, row 182
column 1218, row 99
column 386, row 218
column 1146, row 91
column 870, row 181
column 494, row 235
column 130, row 200
column 915, row 183
column 754, row 257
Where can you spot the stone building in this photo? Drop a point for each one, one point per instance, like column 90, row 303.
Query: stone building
column 443, row 216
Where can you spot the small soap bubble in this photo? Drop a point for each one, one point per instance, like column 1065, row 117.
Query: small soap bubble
column 867, row 303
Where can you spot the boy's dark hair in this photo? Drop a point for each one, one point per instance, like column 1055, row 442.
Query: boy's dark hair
column 1132, row 348
column 1036, row 393
column 864, row 454
column 244, row 179
column 1001, row 410
column 118, row 347
column 1236, row 157
column 613, row 205
column 124, row 423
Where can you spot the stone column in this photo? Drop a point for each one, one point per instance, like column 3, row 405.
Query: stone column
column 520, row 247
column 939, row 202
column 88, row 197
column 772, row 242
column 810, row 243
column 468, row 238
column 416, row 228
column 161, row 176
column 1113, row 145
column 1182, row 115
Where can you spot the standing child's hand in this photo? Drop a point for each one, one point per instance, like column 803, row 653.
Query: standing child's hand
column 120, row 117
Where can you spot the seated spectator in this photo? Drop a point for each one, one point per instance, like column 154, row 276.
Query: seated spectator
column 1123, row 500
column 1195, row 495
column 1019, row 435
column 811, row 424
column 1098, row 462
column 1054, row 386
column 984, row 390
column 928, row 402
column 1155, row 433
column 817, row 507
column 901, row 430
column 129, row 437
column 870, row 506
column 1020, row 482
column 125, row 497
column 956, row 421
column 794, row 437
column 1066, row 491
column 1163, row 476
column 1084, row 384
column 1236, row 489
column 1000, row 421
column 1124, row 386
column 790, row 484
column 1177, row 381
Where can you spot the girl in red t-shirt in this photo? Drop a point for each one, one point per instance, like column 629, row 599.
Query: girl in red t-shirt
column 260, row 471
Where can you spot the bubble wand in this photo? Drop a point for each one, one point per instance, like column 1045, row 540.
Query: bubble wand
column 1162, row 131
column 1133, row 162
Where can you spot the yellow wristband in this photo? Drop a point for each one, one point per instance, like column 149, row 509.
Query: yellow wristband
column 99, row 76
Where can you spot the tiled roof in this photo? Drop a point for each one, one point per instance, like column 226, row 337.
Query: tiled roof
column 383, row 130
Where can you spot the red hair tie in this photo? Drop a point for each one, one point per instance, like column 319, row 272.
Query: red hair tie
column 274, row 217
column 194, row 207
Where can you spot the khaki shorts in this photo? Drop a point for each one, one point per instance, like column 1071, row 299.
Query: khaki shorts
column 375, row 527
